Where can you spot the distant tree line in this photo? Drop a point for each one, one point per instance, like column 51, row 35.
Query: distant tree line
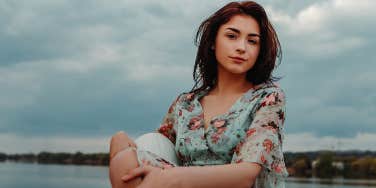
column 77, row 158
column 330, row 164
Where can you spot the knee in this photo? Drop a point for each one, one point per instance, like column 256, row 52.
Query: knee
column 120, row 141
column 121, row 135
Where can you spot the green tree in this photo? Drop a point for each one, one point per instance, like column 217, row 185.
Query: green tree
column 3, row 157
column 364, row 167
column 324, row 168
column 302, row 167
column 78, row 158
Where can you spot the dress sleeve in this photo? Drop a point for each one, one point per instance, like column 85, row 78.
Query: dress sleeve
column 167, row 127
column 263, row 141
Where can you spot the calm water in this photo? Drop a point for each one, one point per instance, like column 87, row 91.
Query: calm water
column 19, row 175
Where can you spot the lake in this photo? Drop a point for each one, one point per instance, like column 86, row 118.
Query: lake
column 26, row 175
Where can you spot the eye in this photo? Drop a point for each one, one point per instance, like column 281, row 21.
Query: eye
column 252, row 41
column 231, row 36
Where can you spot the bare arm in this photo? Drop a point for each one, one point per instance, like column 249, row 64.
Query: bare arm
column 237, row 175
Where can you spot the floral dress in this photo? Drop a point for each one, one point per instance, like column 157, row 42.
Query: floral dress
column 251, row 131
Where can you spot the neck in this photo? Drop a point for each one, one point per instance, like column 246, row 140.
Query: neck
column 229, row 83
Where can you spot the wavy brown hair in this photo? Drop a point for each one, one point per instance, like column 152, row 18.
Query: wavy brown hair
column 205, row 69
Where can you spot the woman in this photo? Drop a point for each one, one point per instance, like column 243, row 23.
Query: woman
column 228, row 130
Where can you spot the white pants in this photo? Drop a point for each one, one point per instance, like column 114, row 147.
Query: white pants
column 154, row 147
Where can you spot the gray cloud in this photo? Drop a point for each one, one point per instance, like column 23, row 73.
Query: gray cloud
column 82, row 68
column 119, row 76
column 329, row 65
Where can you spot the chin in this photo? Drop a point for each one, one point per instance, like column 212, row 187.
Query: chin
column 240, row 72
column 237, row 70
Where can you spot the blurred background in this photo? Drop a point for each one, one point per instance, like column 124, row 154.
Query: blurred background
column 72, row 73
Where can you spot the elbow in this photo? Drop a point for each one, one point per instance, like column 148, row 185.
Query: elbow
column 252, row 172
column 249, row 182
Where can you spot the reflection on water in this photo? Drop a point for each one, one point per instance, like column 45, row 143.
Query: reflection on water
column 304, row 185
column 20, row 175
column 330, row 183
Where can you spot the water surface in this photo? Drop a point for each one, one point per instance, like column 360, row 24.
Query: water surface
column 26, row 175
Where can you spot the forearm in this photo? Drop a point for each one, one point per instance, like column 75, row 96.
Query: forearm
column 218, row 176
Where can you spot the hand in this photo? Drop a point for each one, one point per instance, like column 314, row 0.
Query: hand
column 152, row 177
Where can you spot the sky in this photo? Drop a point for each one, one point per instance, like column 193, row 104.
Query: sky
column 73, row 73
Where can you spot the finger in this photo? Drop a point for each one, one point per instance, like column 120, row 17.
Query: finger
column 135, row 173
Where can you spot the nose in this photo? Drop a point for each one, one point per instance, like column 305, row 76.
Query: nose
column 240, row 46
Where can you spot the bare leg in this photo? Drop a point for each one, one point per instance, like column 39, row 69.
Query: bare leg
column 122, row 160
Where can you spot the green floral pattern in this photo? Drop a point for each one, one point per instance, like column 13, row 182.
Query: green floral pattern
column 251, row 131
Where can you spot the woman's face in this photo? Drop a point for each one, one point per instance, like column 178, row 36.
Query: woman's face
column 237, row 44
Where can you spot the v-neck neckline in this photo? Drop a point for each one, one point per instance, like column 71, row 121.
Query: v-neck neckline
column 203, row 93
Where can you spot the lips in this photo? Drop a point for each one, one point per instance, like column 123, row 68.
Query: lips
column 238, row 58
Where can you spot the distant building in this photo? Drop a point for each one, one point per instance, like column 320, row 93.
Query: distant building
column 314, row 163
column 336, row 164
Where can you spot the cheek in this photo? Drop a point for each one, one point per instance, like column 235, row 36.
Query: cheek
column 254, row 52
column 253, row 55
column 222, row 46
column 221, row 50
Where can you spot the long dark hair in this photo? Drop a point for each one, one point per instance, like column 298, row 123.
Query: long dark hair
column 205, row 69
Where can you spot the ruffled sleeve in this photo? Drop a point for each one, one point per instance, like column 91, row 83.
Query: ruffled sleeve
column 167, row 127
column 263, row 141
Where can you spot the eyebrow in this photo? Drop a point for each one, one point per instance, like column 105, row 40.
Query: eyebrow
column 237, row 31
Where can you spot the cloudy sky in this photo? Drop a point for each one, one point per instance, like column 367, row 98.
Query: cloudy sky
column 72, row 73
